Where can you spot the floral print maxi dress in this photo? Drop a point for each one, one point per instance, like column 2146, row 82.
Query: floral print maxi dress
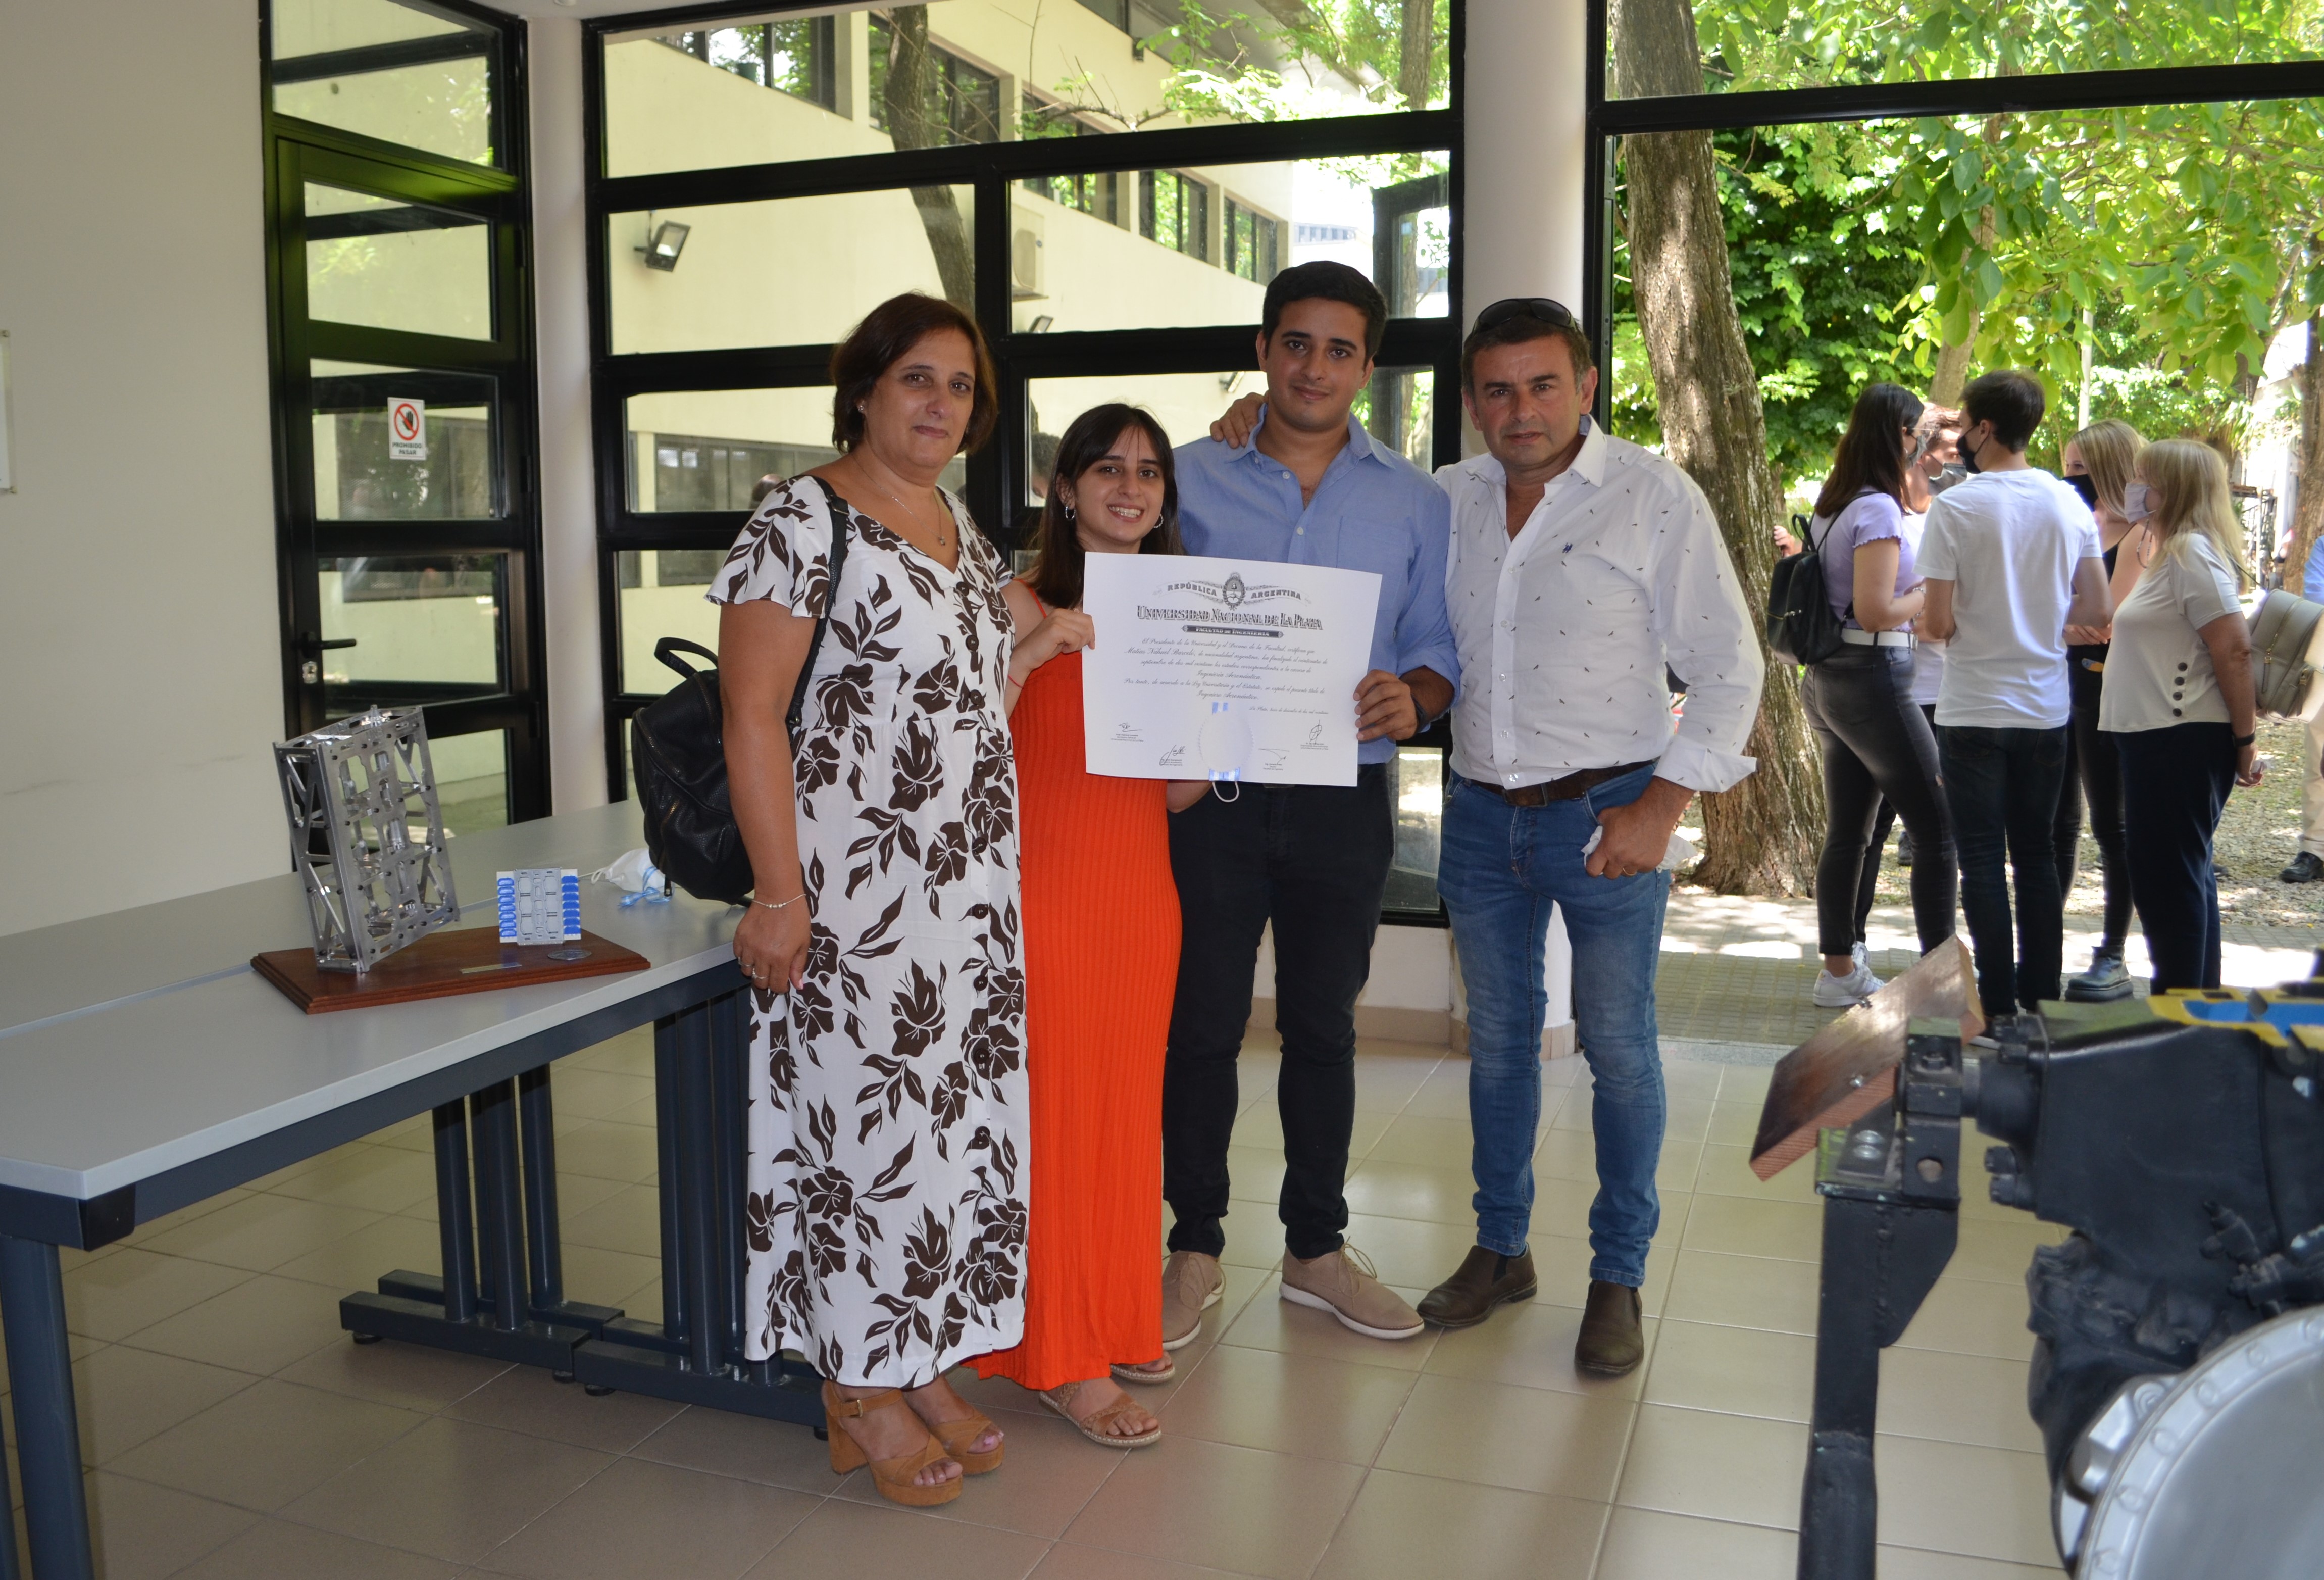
column 887, row 1104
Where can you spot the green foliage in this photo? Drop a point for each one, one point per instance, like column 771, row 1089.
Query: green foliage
column 1824, row 289
column 1335, row 56
column 1753, row 44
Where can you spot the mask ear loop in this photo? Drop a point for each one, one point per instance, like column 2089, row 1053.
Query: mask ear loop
column 1232, row 776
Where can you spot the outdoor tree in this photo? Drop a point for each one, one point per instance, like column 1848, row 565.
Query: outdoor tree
column 918, row 113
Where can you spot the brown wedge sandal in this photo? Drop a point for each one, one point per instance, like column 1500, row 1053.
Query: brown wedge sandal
column 892, row 1476
column 1060, row 1399
column 956, row 1437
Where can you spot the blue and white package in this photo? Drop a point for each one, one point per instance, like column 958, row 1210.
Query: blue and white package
column 540, row 905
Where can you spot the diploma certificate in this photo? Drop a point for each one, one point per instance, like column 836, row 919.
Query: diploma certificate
column 1224, row 669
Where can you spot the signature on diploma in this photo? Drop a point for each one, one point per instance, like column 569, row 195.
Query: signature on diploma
column 1315, row 741
column 1126, row 731
column 1173, row 758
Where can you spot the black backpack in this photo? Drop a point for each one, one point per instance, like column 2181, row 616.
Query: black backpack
column 1800, row 627
column 677, row 755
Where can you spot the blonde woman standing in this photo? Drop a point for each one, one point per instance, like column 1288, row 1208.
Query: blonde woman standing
column 2179, row 701
column 2101, row 462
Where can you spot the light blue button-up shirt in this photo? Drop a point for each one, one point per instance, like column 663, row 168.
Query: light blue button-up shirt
column 1373, row 511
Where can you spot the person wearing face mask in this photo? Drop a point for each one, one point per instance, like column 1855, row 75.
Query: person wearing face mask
column 2179, row 701
column 2011, row 558
column 1100, row 928
column 2099, row 462
column 1941, row 458
column 1876, row 742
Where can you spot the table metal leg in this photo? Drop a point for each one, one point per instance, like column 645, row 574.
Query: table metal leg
column 693, row 1354
column 48, row 1429
column 480, row 1307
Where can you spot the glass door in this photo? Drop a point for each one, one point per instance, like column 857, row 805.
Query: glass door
column 404, row 421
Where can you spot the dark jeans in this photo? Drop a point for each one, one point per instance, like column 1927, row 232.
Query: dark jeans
column 2094, row 769
column 2003, row 788
column 1876, row 746
column 1867, row 886
column 1313, row 860
column 2176, row 785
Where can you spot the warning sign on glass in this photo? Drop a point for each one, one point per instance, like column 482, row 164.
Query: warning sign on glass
column 407, row 430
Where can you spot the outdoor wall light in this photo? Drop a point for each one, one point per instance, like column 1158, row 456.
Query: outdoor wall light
column 668, row 240
column 1041, row 325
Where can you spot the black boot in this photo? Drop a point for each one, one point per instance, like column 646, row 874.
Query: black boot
column 2105, row 981
column 2305, row 868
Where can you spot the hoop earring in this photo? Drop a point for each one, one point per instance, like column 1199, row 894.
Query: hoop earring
column 1069, row 515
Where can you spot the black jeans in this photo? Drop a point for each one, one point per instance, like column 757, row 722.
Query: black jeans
column 2003, row 787
column 1313, row 860
column 1868, row 887
column 1876, row 746
column 2176, row 785
column 2093, row 767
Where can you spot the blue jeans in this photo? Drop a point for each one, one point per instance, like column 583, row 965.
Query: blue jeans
column 1502, row 869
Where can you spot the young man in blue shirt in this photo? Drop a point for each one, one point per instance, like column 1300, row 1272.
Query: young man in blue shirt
column 1309, row 487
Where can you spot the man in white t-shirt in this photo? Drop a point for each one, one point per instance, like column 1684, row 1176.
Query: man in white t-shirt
column 2011, row 555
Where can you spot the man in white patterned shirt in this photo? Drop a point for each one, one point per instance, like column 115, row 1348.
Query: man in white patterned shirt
column 1583, row 570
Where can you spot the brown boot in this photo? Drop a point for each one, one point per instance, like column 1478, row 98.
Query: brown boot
column 1483, row 1280
column 1611, row 1344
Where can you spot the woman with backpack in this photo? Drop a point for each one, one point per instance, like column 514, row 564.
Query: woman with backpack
column 2180, row 702
column 1859, row 699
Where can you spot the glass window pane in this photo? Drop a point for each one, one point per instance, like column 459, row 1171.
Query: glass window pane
column 710, row 449
column 860, row 81
column 662, row 595
column 1419, row 819
column 362, row 474
column 426, row 627
column 1924, row 253
column 788, row 271
column 1166, row 248
column 387, row 71
column 1801, row 44
column 1397, row 407
column 394, row 265
column 471, row 780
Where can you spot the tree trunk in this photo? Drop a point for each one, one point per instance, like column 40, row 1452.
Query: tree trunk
column 913, row 100
column 1761, row 836
column 2308, row 504
column 1414, row 52
column 1951, row 373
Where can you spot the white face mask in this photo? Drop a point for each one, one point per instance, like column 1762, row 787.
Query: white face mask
column 2139, row 501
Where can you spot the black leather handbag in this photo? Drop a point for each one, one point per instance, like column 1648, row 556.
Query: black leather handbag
column 678, row 755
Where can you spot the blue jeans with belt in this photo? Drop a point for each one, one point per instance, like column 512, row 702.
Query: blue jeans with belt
column 1501, row 870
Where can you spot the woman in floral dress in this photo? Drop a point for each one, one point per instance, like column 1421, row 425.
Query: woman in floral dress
column 887, row 1120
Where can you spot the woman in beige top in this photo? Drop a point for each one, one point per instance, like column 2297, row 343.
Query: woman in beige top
column 2179, row 702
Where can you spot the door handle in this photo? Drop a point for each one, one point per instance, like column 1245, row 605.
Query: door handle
column 315, row 644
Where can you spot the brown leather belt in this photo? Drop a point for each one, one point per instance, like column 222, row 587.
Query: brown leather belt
column 1571, row 787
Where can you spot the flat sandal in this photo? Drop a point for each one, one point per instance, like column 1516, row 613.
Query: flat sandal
column 1094, row 1426
column 1143, row 1377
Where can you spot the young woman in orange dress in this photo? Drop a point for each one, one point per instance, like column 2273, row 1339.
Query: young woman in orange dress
column 1100, row 930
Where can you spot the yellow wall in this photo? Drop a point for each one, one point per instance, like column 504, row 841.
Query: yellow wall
column 137, row 613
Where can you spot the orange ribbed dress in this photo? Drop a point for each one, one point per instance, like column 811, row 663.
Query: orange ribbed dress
column 1101, row 929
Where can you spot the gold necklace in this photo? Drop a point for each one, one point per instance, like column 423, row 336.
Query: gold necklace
column 942, row 542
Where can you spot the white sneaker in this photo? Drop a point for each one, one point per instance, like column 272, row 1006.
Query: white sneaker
column 1861, row 955
column 1841, row 992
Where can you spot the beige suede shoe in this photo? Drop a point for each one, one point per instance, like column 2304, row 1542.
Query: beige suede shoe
column 1345, row 1284
column 1192, row 1284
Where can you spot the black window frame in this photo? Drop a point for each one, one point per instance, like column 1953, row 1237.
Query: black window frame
column 823, row 57
column 995, row 474
column 299, row 150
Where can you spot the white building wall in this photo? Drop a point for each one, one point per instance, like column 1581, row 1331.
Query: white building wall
column 138, row 624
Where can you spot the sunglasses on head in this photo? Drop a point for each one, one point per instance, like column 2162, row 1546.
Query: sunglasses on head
column 1526, row 307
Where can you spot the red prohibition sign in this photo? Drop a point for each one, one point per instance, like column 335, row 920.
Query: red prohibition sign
column 407, row 421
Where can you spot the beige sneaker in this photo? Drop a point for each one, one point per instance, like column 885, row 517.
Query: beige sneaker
column 1346, row 1285
column 1192, row 1284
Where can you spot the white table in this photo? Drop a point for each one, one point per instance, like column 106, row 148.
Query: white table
column 144, row 1066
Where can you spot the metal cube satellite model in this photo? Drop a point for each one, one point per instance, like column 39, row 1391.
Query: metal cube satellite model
column 367, row 836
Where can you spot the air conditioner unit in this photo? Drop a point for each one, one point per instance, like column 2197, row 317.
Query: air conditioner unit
column 1026, row 246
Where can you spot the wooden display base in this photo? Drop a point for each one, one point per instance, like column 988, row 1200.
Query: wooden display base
column 440, row 966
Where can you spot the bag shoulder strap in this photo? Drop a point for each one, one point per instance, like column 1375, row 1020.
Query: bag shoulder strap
column 842, row 513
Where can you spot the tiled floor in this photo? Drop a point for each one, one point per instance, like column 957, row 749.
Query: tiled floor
column 234, row 1431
